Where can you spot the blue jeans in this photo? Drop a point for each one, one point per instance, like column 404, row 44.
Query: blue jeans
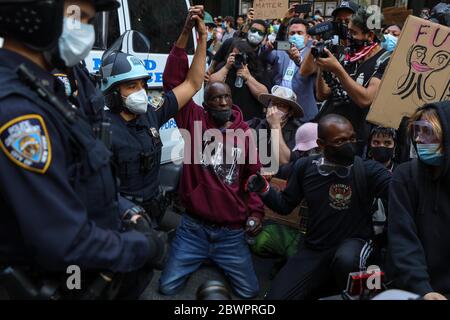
column 196, row 242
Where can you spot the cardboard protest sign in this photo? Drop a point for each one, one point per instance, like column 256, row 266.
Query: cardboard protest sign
column 395, row 15
column 418, row 73
column 270, row 9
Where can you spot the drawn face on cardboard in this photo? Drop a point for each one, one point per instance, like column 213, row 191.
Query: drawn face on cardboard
column 440, row 60
column 417, row 59
column 422, row 66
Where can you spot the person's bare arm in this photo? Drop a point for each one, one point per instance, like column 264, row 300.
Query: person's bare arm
column 183, row 39
column 222, row 74
column 308, row 66
column 212, row 67
column 361, row 96
column 249, row 21
column 323, row 92
column 194, row 80
column 255, row 87
column 274, row 121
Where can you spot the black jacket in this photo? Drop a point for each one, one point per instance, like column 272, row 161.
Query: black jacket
column 419, row 222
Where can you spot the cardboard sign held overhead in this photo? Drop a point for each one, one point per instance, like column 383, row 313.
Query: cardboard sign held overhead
column 395, row 15
column 270, row 9
column 418, row 73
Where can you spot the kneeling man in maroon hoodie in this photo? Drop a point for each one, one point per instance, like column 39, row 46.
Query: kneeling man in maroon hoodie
column 219, row 157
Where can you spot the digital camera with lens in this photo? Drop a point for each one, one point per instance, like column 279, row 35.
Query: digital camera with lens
column 331, row 34
column 318, row 51
column 240, row 59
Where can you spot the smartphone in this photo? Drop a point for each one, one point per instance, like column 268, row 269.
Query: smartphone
column 303, row 8
column 282, row 45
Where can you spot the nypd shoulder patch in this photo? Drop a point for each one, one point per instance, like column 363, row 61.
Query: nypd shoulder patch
column 157, row 102
column 25, row 142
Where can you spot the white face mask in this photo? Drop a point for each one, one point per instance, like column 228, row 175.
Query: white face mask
column 137, row 102
column 75, row 42
column 254, row 38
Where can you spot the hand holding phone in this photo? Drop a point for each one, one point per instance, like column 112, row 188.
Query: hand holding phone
column 303, row 8
column 282, row 45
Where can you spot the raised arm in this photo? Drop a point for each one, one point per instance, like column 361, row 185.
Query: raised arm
column 194, row 80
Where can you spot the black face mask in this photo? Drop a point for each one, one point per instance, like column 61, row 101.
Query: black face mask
column 342, row 30
column 357, row 45
column 220, row 117
column 382, row 154
column 343, row 155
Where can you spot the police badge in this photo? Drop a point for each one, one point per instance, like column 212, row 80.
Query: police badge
column 25, row 142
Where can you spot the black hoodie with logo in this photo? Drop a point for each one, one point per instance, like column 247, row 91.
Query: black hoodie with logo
column 419, row 222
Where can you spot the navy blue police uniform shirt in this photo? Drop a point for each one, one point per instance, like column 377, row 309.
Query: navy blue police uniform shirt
column 335, row 210
column 58, row 197
column 137, row 149
column 90, row 102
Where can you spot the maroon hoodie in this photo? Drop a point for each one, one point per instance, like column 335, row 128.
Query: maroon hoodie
column 214, row 191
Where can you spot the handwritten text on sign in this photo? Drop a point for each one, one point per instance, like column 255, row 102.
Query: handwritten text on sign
column 418, row 73
column 270, row 9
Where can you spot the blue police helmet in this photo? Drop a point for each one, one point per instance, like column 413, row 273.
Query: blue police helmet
column 119, row 67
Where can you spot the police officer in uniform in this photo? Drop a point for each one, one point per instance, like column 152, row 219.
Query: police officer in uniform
column 58, row 194
column 81, row 87
column 135, row 122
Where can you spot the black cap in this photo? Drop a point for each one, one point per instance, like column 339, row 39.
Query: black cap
column 346, row 5
column 106, row 5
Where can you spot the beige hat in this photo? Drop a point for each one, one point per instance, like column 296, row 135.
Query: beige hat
column 285, row 95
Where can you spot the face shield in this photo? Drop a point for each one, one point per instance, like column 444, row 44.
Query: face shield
column 423, row 132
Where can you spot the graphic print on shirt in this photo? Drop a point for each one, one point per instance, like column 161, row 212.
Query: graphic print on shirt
column 340, row 196
column 224, row 165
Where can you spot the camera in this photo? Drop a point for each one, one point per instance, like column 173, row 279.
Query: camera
column 318, row 51
column 328, row 30
column 239, row 60
column 331, row 33
column 213, row 290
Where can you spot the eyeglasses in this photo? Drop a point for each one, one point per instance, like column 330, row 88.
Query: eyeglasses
column 423, row 131
column 326, row 169
column 218, row 99
column 261, row 33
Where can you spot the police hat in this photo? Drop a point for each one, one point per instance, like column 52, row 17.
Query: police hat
column 119, row 67
column 346, row 5
column 35, row 23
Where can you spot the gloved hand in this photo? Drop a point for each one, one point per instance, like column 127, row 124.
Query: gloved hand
column 257, row 183
column 158, row 241
column 131, row 217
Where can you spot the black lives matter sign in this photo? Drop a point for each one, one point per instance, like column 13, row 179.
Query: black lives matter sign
column 270, row 9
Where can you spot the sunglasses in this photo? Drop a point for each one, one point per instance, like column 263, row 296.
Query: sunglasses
column 261, row 33
column 423, row 131
column 326, row 169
